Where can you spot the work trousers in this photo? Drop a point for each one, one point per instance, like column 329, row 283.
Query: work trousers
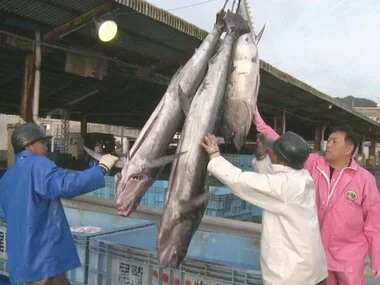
column 56, row 280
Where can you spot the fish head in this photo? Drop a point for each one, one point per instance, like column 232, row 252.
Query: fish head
column 171, row 257
column 173, row 249
column 131, row 187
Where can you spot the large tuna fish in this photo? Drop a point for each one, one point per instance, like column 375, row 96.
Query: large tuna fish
column 146, row 157
column 243, row 86
column 187, row 196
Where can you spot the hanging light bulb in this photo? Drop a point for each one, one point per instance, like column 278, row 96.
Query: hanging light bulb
column 107, row 31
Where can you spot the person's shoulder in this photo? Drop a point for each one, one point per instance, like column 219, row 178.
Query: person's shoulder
column 365, row 174
column 42, row 161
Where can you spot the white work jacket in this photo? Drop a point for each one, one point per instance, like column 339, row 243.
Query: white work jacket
column 291, row 247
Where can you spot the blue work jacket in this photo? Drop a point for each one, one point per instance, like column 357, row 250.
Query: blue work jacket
column 39, row 241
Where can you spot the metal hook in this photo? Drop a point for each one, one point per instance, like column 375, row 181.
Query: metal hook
column 233, row 6
column 238, row 6
column 225, row 4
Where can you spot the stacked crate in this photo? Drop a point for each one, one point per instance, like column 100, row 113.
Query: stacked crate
column 79, row 218
column 213, row 258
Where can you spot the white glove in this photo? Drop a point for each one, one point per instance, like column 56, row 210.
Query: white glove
column 107, row 162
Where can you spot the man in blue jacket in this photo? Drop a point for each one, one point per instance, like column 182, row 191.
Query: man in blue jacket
column 39, row 243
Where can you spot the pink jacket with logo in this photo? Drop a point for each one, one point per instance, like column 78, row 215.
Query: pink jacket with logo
column 348, row 210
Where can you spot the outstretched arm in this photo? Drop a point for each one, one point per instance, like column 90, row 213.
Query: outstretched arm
column 263, row 128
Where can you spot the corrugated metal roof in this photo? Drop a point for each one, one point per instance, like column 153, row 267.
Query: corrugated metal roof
column 80, row 5
column 157, row 42
column 161, row 15
column 53, row 14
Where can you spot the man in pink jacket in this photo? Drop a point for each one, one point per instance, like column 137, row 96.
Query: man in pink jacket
column 348, row 204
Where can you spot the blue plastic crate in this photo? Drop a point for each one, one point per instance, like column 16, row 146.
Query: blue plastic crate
column 156, row 194
column 79, row 218
column 213, row 258
column 223, row 203
column 243, row 161
column 106, row 192
column 256, row 211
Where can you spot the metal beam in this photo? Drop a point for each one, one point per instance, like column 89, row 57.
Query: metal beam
column 77, row 22
column 208, row 223
column 93, row 92
column 26, row 44
column 17, row 42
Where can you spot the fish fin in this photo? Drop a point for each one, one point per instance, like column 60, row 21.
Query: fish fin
column 161, row 161
column 121, row 162
column 185, row 101
column 187, row 207
column 260, row 34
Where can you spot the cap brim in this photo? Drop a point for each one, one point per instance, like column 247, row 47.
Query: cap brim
column 45, row 138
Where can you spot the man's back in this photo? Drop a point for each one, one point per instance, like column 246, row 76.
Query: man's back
column 297, row 237
column 37, row 226
column 40, row 244
column 291, row 247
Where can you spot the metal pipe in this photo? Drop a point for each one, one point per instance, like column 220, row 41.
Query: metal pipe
column 323, row 138
column 37, row 79
column 208, row 223
column 52, row 144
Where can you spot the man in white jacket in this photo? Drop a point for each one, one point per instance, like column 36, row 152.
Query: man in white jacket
column 291, row 247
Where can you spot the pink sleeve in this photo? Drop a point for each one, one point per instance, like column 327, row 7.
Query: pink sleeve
column 371, row 210
column 263, row 128
column 311, row 161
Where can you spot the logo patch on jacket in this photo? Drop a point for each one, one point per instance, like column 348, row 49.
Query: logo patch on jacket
column 351, row 195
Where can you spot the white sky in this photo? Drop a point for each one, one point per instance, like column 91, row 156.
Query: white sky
column 333, row 45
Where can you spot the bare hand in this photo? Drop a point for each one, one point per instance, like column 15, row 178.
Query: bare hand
column 261, row 148
column 376, row 274
column 210, row 144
